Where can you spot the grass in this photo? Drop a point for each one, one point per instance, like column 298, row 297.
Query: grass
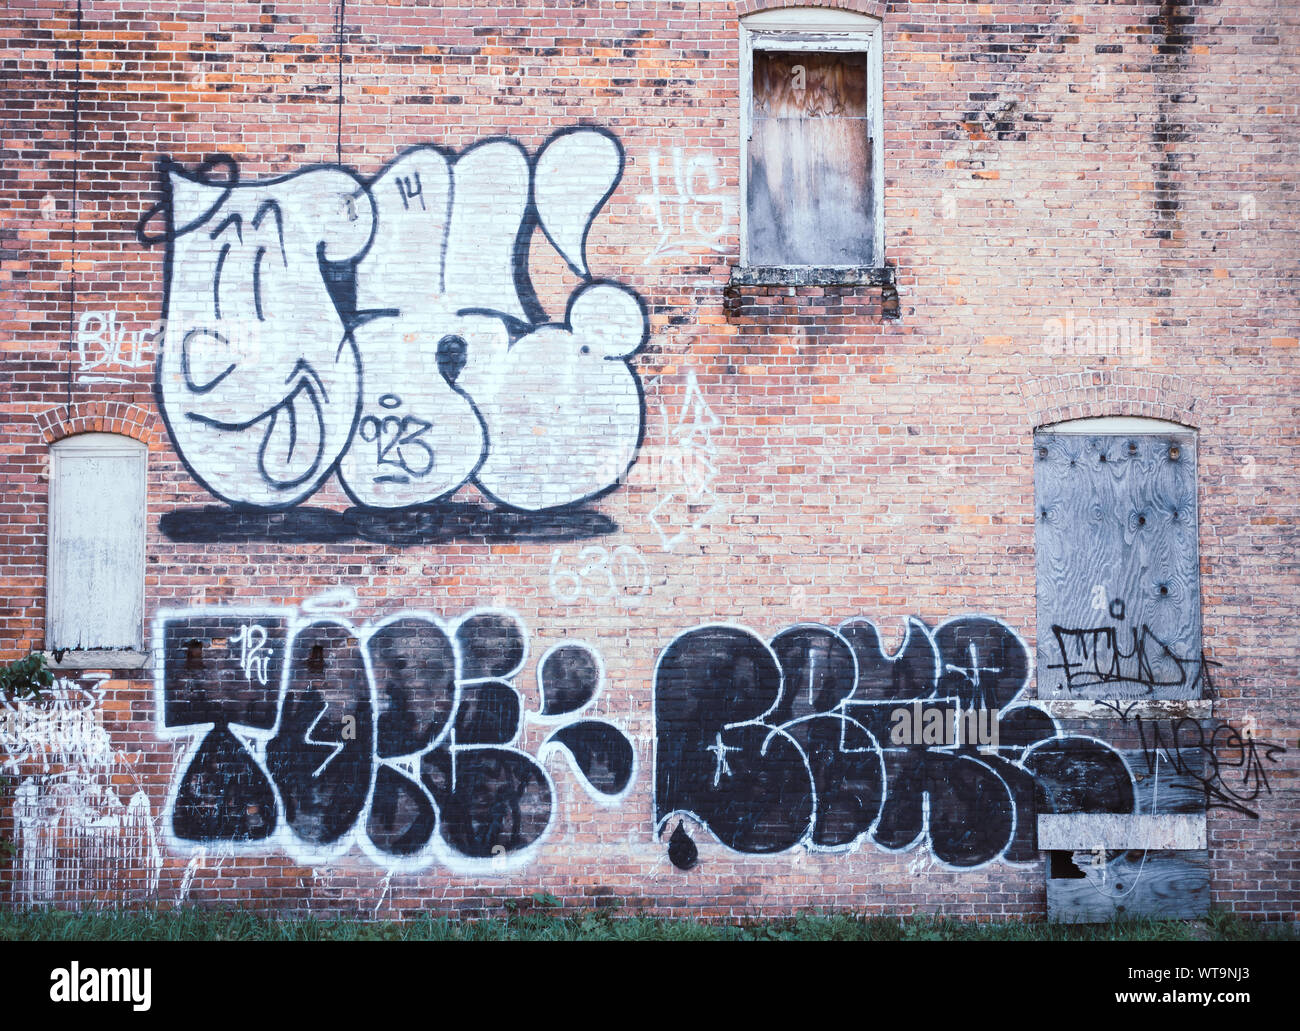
column 530, row 920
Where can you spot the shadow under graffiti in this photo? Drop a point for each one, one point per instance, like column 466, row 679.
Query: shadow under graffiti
column 446, row 522
column 386, row 329
column 401, row 737
column 793, row 742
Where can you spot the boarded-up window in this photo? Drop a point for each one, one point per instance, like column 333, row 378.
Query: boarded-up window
column 810, row 177
column 1119, row 606
column 96, row 560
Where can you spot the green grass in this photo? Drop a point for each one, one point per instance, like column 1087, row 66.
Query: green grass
column 530, row 921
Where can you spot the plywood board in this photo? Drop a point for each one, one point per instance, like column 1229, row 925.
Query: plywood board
column 1070, row 831
column 810, row 160
column 1119, row 613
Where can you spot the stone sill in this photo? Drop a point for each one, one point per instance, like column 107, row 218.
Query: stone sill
column 1068, row 832
column 97, row 658
column 811, row 275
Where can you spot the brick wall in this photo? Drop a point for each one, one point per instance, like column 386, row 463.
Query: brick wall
column 807, row 454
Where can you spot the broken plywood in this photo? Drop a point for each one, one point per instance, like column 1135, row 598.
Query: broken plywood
column 1085, row 887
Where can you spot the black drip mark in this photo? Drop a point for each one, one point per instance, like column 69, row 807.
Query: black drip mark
column 682, row 851
column 216, row 280
column 257, row 284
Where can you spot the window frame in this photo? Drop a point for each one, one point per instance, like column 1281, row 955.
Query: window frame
column 815, row 30
column 99, row 445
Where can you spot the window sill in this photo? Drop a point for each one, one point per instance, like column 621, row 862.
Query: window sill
column 96, row 658
column 812, row 275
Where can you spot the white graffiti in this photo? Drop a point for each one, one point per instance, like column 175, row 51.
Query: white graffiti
column 599, row 574
column 687, row 217
column 104, row 343
column 77, row 840
column 690, row 501
column 388, row 329
column 253, row 654
column 64, row 728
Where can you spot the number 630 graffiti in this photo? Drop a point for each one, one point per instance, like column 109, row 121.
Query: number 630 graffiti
column 600, row 575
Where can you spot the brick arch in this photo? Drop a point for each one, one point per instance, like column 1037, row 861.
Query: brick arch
column 130, row 420
column 875, row 8
column 1097, row 393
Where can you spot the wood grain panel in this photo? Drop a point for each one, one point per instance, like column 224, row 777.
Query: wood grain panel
column 810, row 198
column 1092, row 888
column 1119, row 612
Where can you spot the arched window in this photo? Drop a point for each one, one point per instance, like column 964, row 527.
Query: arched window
column 95, row 576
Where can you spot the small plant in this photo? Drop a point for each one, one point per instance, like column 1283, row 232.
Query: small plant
column 537, row 900
column 25, row 677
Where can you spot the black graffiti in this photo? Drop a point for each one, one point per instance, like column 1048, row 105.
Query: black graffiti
column 788, row 742
column 567, row 677
column 1102, row 661
column 601, row 751
column 225, row 794
column 322, row 754
column 402, row 737
column 1232, row 774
